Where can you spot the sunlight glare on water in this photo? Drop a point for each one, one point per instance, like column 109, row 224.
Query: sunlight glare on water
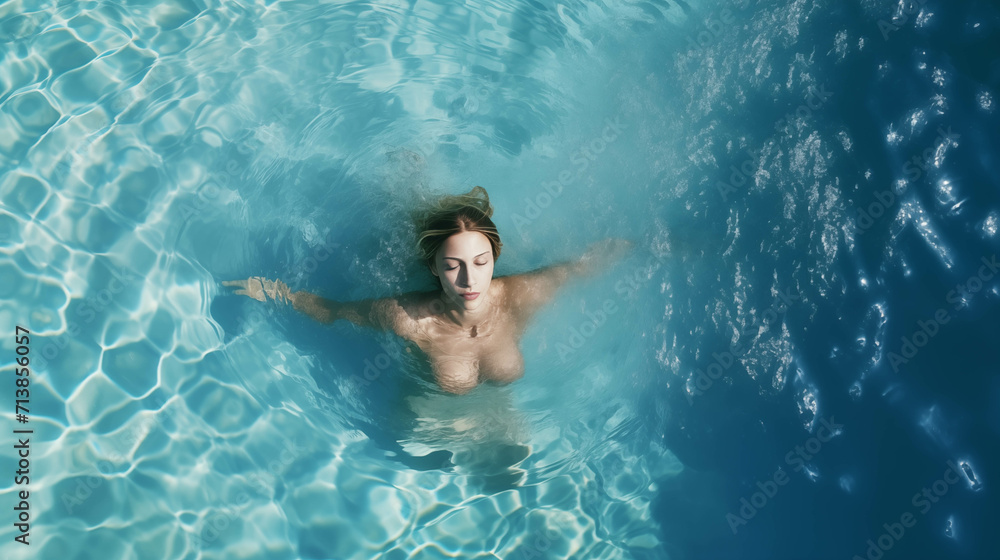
column 805, row 185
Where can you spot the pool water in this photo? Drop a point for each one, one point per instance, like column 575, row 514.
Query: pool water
column 797, row 361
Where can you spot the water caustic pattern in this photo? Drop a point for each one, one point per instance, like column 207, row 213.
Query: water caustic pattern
column 148, row 149
column 151, row 149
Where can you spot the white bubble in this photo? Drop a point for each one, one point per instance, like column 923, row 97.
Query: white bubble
column 985, row 101
column 949, row 527
column 893, row 137
column 923, row 18
column 990, row 224
column 939, row 77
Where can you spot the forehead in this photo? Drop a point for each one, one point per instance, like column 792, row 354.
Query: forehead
column 466, row 244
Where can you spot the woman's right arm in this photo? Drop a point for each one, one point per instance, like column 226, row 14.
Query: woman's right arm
column 322, row 309
column 383, row 314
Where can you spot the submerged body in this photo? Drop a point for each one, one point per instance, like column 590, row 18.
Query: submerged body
column 462, row 357
column 469, row 328
column 466, row 341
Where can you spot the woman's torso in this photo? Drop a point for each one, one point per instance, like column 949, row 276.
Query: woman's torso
column 464, row 357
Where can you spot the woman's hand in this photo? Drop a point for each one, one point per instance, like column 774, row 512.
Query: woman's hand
column 260, row 288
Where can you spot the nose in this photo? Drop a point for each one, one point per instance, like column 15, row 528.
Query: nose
column 466, row 280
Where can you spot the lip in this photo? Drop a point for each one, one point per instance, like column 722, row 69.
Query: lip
column 470, row 296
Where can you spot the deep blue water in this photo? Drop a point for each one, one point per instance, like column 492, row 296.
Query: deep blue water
column 905, row 419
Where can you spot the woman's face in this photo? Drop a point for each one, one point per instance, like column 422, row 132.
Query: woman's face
column 464, row 263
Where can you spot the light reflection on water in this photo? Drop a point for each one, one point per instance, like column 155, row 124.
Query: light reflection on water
column 188, row 145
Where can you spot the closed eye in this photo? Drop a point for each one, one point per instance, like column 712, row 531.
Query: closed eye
column 477, row 264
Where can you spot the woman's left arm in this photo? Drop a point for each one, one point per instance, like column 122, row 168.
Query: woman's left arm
column 529, row 291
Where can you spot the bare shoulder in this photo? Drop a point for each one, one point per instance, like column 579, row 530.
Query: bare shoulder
column 524, row 293
column 396, row 314
column 513, row 284
column 403, row 314
column 506, row 289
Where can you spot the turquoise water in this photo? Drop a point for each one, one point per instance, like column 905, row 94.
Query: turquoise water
column 805, row 184
column 159, row 148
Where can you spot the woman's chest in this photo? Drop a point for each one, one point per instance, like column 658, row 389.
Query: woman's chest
column 469, row 360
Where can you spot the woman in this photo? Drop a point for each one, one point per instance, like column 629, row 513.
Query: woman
column 470, row 328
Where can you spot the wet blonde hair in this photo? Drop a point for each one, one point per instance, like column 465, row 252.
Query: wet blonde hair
column 453, row 214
